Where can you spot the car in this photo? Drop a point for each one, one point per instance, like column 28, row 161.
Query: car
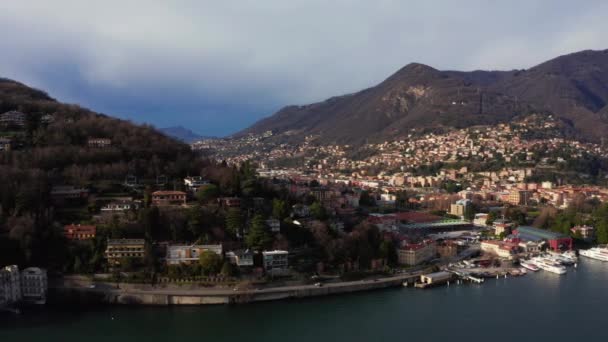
column 92, row 286
column 318, row 284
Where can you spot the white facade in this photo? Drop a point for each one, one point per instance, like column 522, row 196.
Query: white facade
column 10, row 285
column 188, row 254
column 194, row 183
column 241, row 259
column 274, row 225
column 34, row 285
column 276, row 262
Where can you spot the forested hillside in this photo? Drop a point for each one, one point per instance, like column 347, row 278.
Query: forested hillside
column 51, row 148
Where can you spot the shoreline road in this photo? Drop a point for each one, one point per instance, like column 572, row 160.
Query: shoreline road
column 110, row 288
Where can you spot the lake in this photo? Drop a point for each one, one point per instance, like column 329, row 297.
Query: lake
column 540, row 306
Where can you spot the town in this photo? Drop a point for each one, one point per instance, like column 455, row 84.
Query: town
column 430, row 209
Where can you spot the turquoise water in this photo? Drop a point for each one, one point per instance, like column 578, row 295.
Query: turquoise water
column 540, row 306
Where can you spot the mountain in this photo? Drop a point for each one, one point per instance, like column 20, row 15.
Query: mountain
column 181, row 133
column 573, row 87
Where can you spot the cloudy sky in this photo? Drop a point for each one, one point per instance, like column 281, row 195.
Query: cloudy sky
column 218, row 66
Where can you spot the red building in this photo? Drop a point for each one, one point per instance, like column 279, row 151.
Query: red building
column 79, row 232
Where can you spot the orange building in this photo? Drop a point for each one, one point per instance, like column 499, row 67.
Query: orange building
column 160, row 198
column 79, row 232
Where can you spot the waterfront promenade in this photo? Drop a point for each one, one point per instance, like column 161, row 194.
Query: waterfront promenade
column 193, row 295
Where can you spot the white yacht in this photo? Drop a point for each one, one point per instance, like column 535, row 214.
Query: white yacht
column 549, row 265
column 596, row 253
column 528, row 264
column 563, row 258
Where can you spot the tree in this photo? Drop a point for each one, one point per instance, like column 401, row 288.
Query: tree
column 227, row 269
column 279, row 209
column 318, row 211
column 602, row 232
column 258, row 236
column 234, row 222
column 207, row 193
column 196, row 219
column 209, row 262
column 469, row 212
column 388, row 251
column 492, row 216
column 365, row 199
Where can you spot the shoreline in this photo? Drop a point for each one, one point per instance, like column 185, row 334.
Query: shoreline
column 132, row 294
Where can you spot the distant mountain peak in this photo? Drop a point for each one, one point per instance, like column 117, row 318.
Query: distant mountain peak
column 181, row 133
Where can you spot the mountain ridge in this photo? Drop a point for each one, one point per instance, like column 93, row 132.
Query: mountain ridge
column 574, row 87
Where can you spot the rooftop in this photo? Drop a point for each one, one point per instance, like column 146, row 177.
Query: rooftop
column 531, row 233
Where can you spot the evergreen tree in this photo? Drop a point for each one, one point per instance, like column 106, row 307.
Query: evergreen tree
column 279, row 209
column 234, row 222
column 258, row 236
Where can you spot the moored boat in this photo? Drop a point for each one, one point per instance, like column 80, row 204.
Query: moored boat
column 529, row 265
column 549, row 265
column 596, row 253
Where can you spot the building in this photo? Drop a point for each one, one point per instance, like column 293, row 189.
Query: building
column 585, row 232
column 531, row 247
column 164, row 198
column 460, row 207
column 518, row 197
column 230, row 202
column 276, row 262
column 5, row 144
column 34, row 285
column 480, row 219
column 242, row 259
column 448, row 249
column 436, row 278
column 119, row 206
column 118, row 249
column 79, row 232
column 556, row 241
column 274, row 225
column 502, row 226
column 443, row 225
column 68, row 192
column 194, row 183
column 99, row 142
column 189, row 254
column 384, row 222
column 502, row 249
column 416, row 253
column 12, row 118
column 10, row 285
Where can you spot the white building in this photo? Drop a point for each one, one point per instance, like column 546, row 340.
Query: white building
column 241, row 258
column 119, row 206
column 480, row 219
column 12, row 117
column 274, row 225
column 194, row 183
column 189, row 254
column 10, row 285
column 34, row 285
column 276, row 262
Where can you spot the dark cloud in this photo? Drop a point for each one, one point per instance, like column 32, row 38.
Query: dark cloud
column 217, row 66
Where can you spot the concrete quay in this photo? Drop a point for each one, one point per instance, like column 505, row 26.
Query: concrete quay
column 149, row 295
